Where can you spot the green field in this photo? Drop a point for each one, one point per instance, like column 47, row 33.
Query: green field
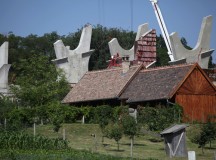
column 145, row 146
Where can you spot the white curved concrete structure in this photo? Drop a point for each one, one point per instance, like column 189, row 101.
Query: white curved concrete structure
column 74, row 62
column 115, row 48
column 4, row 54
column 4, row 68
column 200, row 53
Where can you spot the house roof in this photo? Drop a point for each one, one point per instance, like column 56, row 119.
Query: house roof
column 100, row 85
column 156, row 83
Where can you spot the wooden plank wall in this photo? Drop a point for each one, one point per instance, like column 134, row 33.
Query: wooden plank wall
column 197, row 84
column 197, row 107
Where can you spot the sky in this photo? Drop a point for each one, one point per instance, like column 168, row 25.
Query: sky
column 24, row 17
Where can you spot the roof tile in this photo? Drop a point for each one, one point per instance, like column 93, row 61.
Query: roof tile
column 98, row 85
column 155, row 84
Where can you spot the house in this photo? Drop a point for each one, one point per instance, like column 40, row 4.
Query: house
column 99, row 87
column 186, row 85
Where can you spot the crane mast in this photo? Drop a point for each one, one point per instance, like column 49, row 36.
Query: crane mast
column 163, row 28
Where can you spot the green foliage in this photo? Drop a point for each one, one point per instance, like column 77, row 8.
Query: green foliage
column 129, row 126
column 36, row 82
column 209, row 131
column 160, row 117
column 194, row 132
column 100, row 38
column 59, row 113
column 114, row 131
column 162, row 56
column 71, row 113
column 200, row 138
column 104, row 114
column 38, row 85
column 202, row 134
column 88, row 113
column 6, row 105
column 25, row 47
column 19, row 140
column 20, row 117
column 66, row 154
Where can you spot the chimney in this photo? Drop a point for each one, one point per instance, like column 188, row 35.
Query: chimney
column 125, row 64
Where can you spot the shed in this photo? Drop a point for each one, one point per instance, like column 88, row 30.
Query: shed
column 174, row 138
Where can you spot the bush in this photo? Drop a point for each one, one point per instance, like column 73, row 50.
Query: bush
column 20, row 118
column 160, row 117
column 103, row 115
column 70, row 113
column 89, row 113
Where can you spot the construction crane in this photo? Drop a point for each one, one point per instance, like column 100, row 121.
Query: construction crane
column 163, row 28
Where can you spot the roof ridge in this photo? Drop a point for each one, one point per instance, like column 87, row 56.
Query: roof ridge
column 109, row 70
column 167, row 67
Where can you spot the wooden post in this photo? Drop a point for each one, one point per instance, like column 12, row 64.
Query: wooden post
column 83, row 120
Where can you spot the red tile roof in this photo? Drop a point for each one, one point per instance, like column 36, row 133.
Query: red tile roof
column 99, row 85
column 156, row 83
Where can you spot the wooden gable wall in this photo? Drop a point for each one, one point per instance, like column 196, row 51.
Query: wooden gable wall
column 197, row 96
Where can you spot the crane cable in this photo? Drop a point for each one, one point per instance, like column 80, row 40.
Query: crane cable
column 131, row 5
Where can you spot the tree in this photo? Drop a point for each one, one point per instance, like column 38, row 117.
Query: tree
column 114, row 131
column 130, row 129
column 6, row 105
column 204, row 134
column 210, row 131
column 201, row 139
column 104, row 114
column 162, row 56
column 38, row 83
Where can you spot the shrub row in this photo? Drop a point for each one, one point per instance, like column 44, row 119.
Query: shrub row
column 69, row 154
column 156, row 118
column 19, row 140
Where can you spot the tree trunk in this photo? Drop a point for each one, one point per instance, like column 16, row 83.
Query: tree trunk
column 64, row 136
column 132, row 147
column 83, row 120
column 34, row 129
column 118, row 145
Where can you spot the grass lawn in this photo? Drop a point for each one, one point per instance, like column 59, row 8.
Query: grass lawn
column 79, row 137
